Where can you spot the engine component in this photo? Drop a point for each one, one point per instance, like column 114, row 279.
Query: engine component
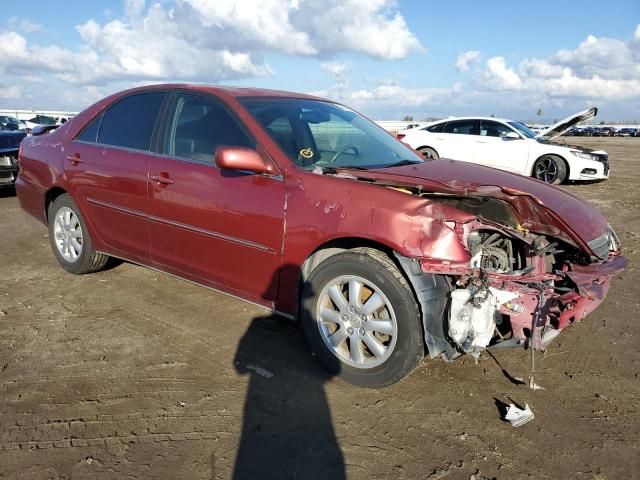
column 471, row 325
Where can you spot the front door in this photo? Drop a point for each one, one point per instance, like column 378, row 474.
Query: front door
column 214, row 226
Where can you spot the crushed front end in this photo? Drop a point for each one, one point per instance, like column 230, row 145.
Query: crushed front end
column 512, row 287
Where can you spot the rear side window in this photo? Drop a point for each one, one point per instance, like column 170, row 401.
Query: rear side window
column 435, row 128
column 200, row 125
column 464, row 127
column 130, row 122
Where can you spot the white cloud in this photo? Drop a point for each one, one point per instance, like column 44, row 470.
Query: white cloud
column 600, row 71
column 498, row 76
column 599, row 68
column 22, row 25
column 336, row 69
column 212, row 41
column 11, row 92
column 465, row 59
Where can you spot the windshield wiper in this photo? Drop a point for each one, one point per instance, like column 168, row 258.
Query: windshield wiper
column 401, row 163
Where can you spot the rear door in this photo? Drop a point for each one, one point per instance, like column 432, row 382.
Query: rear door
column 220, row 227
column 458, row 140
column 495, row 149
column 107, row 166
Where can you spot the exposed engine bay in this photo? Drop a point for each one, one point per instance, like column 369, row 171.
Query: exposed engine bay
column 518, row 288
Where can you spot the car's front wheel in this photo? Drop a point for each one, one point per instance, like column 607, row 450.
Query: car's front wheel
column 70, row 239
column 550, row 169
column 361, row 318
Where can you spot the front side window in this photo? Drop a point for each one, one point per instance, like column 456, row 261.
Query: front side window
column 199, row 126
column 130, row 122
column 489, row 128
column 315, row 133
column 462, row 127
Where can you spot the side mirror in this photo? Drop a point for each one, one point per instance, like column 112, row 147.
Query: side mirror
column 243, row 159
column 511, row 136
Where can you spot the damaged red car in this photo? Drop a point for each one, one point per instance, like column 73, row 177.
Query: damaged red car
column 303, row 206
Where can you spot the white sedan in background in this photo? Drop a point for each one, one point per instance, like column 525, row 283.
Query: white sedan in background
column 512, row 146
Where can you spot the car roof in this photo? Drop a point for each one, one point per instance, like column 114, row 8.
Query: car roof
column 451, row 119
column 230, row 91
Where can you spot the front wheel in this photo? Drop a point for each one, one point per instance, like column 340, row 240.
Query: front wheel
column 70, row 239
column 550, row 169
column 361, row 318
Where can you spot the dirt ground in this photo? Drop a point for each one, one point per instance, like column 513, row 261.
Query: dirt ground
column 129, row 373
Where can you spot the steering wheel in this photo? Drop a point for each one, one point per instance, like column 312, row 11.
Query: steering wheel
column 342, row 150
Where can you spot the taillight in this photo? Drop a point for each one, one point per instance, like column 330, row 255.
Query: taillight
column 400, row 136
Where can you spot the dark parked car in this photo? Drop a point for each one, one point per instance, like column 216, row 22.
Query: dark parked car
column 43, row 120
column 626, row 132
column 9, row 123
column 303, row 206
column 606, row 131
column 9, row 144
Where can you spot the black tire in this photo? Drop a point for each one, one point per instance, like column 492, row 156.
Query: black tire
column 429, row 153
column 375, row 267
column 88, row 260
column 550, row 169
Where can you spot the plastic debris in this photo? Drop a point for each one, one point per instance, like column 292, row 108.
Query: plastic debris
column 517, row 416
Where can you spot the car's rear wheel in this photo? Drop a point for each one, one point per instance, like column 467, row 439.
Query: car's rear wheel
column 361, row 318
column 429, row 153
column 550, row 169
column 70, row 239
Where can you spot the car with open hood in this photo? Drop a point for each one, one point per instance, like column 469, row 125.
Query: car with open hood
column 305, row 207
column 512, row 146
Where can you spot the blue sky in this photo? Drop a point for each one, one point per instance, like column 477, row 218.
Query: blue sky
column 385, row 58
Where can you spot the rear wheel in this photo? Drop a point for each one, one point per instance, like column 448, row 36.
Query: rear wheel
column 70, row 239
column 429, row 153
column 550, row 169
column 362, row 320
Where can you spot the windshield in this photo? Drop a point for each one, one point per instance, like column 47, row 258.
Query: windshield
column 523, row 129
column 314, row 134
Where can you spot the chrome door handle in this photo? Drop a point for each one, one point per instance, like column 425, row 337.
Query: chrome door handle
column 75, row 159
column 164, row 180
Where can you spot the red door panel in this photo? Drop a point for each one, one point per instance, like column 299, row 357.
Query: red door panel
column 111, row 186
column 220, row 227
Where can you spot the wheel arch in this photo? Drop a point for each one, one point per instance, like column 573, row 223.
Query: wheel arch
column 49, row 197
column 430, row 291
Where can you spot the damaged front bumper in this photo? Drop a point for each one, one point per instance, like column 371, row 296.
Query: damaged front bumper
column 8, row 166
column 487, row 309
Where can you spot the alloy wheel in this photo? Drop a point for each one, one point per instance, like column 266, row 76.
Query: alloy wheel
column 68, row 234
column 356, row 321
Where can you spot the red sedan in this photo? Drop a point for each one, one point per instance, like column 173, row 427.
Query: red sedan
column 304, row 206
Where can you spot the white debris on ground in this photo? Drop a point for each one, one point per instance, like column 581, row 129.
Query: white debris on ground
column 518, row 416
